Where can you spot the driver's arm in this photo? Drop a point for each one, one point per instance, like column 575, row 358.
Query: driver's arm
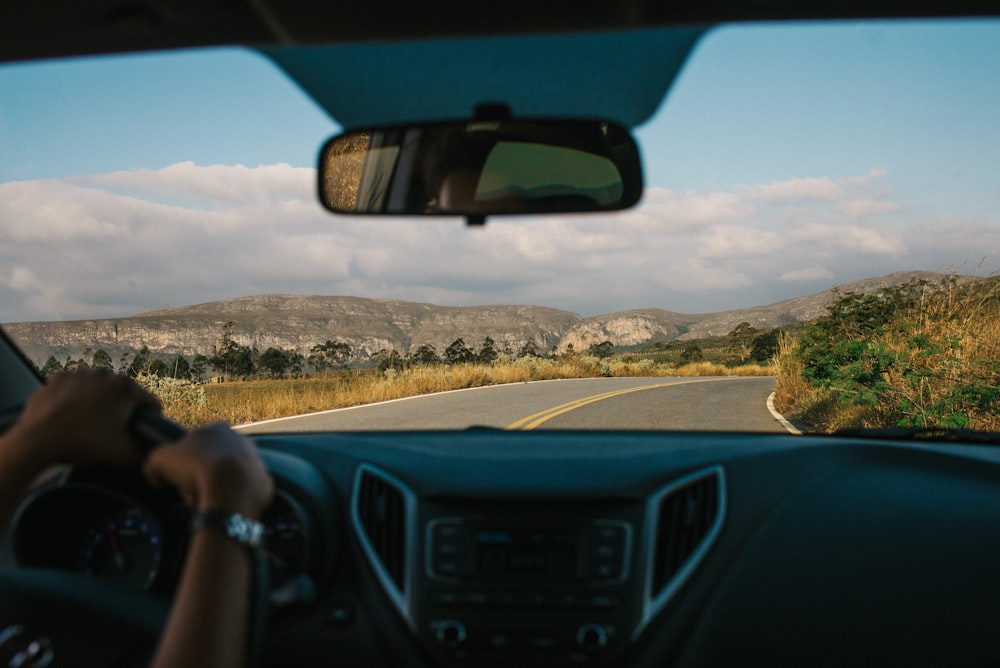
column 82, row 418
column 213, row 469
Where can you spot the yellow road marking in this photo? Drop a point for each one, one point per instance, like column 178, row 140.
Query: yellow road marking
column 532, row 421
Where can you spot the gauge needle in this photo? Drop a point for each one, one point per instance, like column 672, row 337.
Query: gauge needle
column 119, row 557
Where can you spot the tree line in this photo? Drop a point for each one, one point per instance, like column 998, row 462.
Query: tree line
column 233, row 360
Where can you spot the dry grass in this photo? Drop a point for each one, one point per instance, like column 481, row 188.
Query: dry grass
column 946, row 353
column 255, row 400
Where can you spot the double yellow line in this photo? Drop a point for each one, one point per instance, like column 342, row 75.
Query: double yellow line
column 533, row 421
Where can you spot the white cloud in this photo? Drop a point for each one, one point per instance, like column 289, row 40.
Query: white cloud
column 121, row 243
column 682, row 209
column 216, row 183
column 814, row 273
column 794, row 189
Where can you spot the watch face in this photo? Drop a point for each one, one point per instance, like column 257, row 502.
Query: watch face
column 244, row 530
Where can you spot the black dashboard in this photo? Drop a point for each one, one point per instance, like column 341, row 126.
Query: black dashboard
column 490, row 548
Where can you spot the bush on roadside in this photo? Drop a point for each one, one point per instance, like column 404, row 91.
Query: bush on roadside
column 920, row 355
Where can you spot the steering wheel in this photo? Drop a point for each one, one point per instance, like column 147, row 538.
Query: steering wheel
column 52, row 618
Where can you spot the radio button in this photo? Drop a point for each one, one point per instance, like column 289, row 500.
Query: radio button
column 450, row 633
column 605, row 569
column 607, row 551
column 445, row 598
column 442, row 567
column 448, row 531
column 592, row 637
column 477, row 598
column 614, row 534
column 605, row 601
column 541, row 643
column 498, row 642
column 572, row 601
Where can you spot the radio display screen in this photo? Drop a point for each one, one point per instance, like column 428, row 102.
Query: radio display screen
column 528, row 553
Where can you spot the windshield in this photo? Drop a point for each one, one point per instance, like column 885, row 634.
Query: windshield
column 814, row 250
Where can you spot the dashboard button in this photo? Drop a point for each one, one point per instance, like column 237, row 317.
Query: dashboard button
column 605, row 601
column 340, row 614
column 591, row 637
column 477, row 598
column 443, row 567
column 450, row 633
column 498, row 642
column 445, row 598
column 541, row 643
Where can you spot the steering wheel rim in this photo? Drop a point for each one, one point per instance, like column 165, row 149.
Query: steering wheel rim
column 83, row 621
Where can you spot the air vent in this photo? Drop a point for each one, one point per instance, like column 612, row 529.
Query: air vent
column 381, row 512
column 683, row 520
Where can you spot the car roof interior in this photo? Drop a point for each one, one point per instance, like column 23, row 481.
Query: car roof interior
column 60, row 28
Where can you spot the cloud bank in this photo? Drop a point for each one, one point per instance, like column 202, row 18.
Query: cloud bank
column 120, row 243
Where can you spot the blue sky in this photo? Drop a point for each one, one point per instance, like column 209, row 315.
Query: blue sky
column 786, row 159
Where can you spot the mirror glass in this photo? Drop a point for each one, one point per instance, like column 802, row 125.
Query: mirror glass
column 481, row 168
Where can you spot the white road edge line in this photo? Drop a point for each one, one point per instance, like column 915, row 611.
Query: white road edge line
column 792, row 429
column 388, row 401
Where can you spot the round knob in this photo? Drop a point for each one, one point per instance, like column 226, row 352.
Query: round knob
column 450, row 633
column 591, row 637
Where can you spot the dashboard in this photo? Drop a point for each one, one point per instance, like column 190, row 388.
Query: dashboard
column 490, row 548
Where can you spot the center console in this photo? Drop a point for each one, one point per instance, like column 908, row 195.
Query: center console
column 533, row 581
column 538, row 583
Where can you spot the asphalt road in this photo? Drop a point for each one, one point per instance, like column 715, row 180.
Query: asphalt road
column 703, row 404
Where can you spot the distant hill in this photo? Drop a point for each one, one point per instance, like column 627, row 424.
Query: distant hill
column 371, row 325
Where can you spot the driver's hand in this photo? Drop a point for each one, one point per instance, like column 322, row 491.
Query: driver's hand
column 213, row 468
column 82, row 417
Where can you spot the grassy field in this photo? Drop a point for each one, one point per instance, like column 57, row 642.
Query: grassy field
column 251, row 401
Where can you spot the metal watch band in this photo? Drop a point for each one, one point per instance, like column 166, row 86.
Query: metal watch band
column 241, row 529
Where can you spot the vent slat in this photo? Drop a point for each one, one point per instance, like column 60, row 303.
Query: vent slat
column 382, row 511
column 685, row 517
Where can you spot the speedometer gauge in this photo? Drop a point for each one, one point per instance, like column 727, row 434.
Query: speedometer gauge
column 124, row 547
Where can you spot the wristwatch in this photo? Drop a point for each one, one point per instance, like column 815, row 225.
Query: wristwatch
column 241, row 529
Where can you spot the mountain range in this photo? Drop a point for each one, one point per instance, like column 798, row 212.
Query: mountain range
column 371, row 325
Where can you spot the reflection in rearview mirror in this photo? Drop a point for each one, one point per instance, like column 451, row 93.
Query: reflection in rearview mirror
column 480, row 168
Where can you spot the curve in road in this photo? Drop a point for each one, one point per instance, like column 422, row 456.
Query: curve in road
column 715, row 404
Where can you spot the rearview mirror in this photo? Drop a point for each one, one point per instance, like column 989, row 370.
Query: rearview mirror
column 481, row 168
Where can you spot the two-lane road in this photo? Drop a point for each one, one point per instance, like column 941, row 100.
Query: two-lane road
column 703, row 404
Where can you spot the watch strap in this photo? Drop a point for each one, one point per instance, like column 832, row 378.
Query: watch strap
column 243, row 530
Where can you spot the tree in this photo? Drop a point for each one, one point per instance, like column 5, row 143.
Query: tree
column 741, row 339
column 601, row 350
column 230, row 358
column 101, row 360
column 51, row 367
column 275, row 362
column 691, row 353
column 458, row 353
column 72, row 364
column 389, row 359
column 488, row 353
column 425, row 354
column 140, row 362
column 158, row 368
column 529, row 349
column 330, row 354
column 198, row 366
column 179, row 368
column 765, row 346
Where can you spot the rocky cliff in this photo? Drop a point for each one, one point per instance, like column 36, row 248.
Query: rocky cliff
column 299, row 322
column 371, row 325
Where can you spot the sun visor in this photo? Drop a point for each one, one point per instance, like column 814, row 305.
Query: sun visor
column 619, row 76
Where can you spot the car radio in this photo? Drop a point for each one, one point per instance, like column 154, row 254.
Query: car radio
column 542, row 587
column 483, row 551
